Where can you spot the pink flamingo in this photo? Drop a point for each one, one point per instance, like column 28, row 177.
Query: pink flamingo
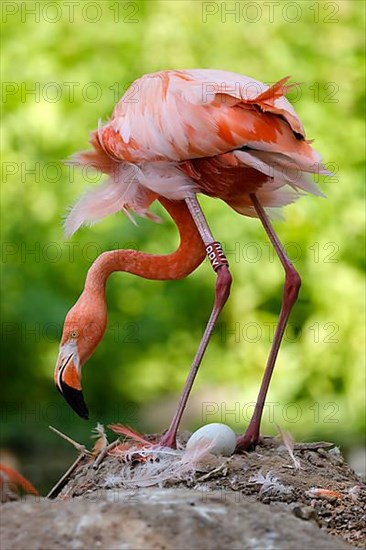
column 172, row 135
column 12, row 481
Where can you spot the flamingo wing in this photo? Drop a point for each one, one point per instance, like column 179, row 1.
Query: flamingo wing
column 167, row 121
column 180, row 115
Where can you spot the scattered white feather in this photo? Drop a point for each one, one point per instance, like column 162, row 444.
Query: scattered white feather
column 266, row 481
column 112, row 480
column 353, row 492
column 336, row 452
column 101, row 438
column 99, row 431
column 289, row 443
column 155, row 465
column 312, row 492
column 270, row 484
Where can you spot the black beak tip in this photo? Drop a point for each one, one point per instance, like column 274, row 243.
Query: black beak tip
column 75, row 399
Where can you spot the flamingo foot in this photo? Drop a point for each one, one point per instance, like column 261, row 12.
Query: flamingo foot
column 249, row 440
column 169, row 439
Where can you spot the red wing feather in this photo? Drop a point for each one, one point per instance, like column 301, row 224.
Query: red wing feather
column 128, row 432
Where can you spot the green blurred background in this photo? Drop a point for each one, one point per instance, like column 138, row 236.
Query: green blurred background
column 63, row 68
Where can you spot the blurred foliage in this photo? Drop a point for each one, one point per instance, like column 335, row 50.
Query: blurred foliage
column 78, row 63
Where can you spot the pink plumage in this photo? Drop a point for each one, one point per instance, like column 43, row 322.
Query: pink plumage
column 177, row 133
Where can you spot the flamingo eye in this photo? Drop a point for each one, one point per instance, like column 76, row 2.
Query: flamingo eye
column 74, row 334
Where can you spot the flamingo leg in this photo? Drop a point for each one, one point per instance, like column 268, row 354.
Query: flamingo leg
column 223, row 284
column 290, row 293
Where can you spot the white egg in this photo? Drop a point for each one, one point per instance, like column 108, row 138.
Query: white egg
column 222, row 437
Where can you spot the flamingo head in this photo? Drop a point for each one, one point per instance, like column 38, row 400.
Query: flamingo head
column 84, row 328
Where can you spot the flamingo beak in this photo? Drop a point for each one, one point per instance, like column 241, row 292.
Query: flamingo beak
column 67, row 379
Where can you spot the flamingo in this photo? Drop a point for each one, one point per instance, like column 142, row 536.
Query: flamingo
column 174, row 134
column 11, row 482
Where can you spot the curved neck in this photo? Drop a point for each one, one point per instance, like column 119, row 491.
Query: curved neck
column 189, row 255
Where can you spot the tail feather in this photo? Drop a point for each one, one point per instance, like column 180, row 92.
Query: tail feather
column 95, row 158
column 273, row 100
column 278, row 89
column 94, row 205
column 121, row 191
column 282, row 169
column 296, row 170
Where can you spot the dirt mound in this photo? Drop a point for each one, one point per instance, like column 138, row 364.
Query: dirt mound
column 167, row 499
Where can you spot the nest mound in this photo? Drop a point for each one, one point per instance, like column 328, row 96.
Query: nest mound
column 311, row 482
